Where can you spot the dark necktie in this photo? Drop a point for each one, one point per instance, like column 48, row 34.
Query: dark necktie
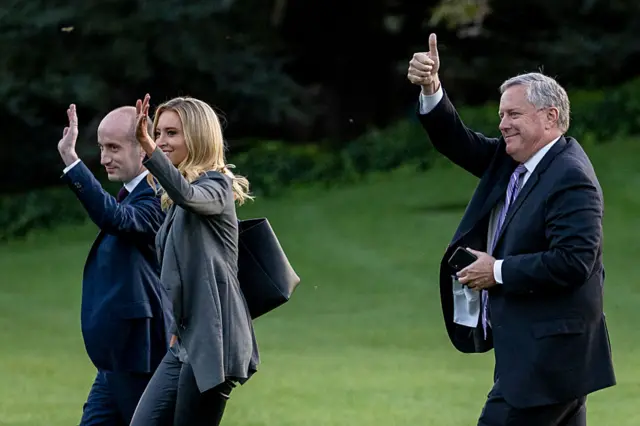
column 512, row 192
column 122, row 194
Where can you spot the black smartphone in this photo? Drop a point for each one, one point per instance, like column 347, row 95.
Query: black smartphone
column 461, row 258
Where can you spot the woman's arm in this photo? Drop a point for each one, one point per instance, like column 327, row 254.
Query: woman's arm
column 204, row 197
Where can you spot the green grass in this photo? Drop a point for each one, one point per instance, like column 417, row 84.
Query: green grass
column 361, row 343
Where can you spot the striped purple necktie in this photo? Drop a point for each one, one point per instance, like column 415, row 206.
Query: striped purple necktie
column 512, row 192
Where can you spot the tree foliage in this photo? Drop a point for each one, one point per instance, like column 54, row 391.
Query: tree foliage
column 296, row 71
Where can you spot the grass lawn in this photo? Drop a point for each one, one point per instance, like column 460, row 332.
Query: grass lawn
column 361, row 343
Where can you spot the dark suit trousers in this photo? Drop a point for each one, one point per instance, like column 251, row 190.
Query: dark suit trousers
column 113, row 398
column 173, row 398
column 497, row 412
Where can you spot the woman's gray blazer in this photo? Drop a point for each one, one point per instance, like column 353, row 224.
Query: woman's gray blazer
column 198, row 251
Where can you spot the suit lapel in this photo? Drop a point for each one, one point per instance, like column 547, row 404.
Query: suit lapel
column 140, row 187
column 492, row 188
column 524, row 193
column 163, row 232
column 531, row 183
column 499, row 190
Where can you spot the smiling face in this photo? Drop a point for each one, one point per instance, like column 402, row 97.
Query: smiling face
column 120, row 154
column 169, row 136
column 520, row 123
column 524, row 127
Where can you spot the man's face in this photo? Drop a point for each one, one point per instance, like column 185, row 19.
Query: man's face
column 120, row 156
column 523, row 126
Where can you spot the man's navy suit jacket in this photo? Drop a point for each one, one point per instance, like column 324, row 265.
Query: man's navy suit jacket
column 125, row 312
column 548, row 326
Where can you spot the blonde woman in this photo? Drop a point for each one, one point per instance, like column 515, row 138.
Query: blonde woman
column 213, row 345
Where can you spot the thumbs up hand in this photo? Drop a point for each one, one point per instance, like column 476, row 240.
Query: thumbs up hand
column 424, row 66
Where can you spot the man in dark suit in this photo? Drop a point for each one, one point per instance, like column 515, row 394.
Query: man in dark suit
column 535, row 292
column 125, row 311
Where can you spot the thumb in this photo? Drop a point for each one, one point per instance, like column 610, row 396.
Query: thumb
column 433, row 46
column 476, row 252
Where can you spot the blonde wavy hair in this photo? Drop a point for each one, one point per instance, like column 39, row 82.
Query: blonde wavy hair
column 205, row 146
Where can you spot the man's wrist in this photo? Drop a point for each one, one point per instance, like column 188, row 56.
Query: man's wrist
column 148, row 147
column 432, row 88
column 69, row 157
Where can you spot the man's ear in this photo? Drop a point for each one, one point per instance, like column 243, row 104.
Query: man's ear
column 552, row 117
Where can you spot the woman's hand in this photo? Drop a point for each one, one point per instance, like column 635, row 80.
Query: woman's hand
column 173, row 341
column 142, row 120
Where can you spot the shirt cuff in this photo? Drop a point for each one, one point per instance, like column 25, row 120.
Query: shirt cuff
column 70, row 166
column 497, row 271
column 429, row 102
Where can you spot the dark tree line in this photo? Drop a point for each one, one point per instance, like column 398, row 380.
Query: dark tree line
column 293, row 70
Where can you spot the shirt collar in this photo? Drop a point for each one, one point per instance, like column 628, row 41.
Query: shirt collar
column 535, row 159
column 132, row 184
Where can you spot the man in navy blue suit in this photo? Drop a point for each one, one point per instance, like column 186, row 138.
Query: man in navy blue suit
column 534, row 292
column 125, row 313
